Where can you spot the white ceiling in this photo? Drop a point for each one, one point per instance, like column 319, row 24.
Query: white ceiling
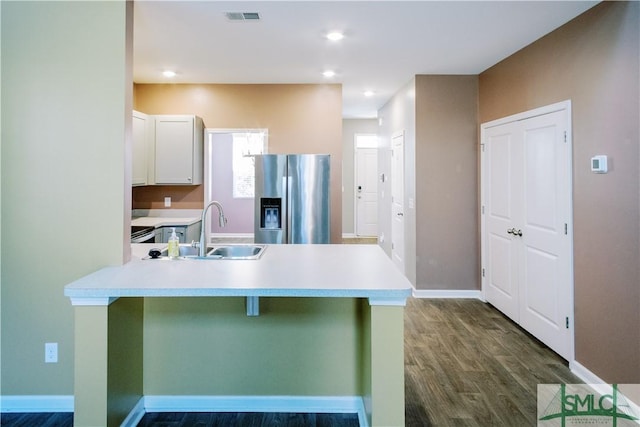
column 386, row 42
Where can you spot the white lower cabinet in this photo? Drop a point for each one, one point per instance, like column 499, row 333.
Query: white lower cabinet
column 185, row 233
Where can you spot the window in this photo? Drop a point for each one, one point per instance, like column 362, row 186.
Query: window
column 245, row 146
column 366, row 140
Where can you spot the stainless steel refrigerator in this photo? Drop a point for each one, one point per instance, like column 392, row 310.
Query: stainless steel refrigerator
column 292, row 203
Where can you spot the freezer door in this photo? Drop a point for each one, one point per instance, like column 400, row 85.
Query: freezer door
column 308, row 215
column 270, row 198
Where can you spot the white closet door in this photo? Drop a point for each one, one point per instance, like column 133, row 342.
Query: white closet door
column 545, row 281
column 526, row 243
column 503, row 209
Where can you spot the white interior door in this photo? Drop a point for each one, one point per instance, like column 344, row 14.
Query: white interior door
column 397, row 200
column 527, row 210
column 502, row 211
column 546, row 287
column 366, row 192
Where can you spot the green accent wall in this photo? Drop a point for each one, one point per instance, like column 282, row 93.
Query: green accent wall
column 108, row 361
column 296, row 346
column 66, row 102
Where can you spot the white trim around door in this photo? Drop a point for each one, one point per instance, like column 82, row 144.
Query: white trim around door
column 526, row 215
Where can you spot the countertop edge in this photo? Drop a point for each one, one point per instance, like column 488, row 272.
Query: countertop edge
column 376, row 297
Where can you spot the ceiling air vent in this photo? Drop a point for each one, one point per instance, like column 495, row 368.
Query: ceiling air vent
column 242, row 16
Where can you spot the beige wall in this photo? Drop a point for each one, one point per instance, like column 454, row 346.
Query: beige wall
column 351, row 127
column 64, row 174
column 438, row 115
column 399, row 115
column 594, row 62
column 300, row 118
column 447, row 243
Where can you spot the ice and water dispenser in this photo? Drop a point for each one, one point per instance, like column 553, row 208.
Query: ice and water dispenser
column 271, row 213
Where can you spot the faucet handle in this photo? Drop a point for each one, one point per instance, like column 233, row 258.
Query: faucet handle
column 195, row 244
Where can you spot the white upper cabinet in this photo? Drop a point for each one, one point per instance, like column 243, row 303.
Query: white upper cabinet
column 141, row 148
column 178, row 150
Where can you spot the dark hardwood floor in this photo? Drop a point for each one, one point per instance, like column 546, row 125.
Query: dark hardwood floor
column 248, row 420
column 468, row 365
column 61, row 419
column 465, row 365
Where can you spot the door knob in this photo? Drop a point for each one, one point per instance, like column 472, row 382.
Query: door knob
column 400, row 214
column 514, row 232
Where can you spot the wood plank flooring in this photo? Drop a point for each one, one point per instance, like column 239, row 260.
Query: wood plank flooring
column 468, row 365
column 465, row 365
column 248, row 420
column 61, row 419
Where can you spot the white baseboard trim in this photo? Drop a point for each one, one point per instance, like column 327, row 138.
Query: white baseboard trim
column 135, row 415
column 36, row 403
column 301, row 404
column 584, row 374
column 602, row 387
column 444, row 293
column 349, row 235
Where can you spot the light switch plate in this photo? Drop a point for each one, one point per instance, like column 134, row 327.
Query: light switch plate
column 167, row 202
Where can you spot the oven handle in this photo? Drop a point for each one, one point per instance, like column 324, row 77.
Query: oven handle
column 140, row 239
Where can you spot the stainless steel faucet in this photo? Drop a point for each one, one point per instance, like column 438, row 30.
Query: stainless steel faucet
column 221, row 220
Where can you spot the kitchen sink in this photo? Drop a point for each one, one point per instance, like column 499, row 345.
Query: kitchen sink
column 224, row 252
column 245, row 251
column 185, row 251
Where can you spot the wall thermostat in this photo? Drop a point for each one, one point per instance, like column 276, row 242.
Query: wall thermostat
column 599, row 164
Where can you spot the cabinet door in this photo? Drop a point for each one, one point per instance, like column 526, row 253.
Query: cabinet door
column 140, row 148
column 174, row 149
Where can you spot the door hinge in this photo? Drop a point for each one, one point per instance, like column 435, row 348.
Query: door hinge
column 483, row 272
column 567, row 322
column 566, row 229
column 482, row 147
column 565, row 136
column 393, row 246
column 482, row 209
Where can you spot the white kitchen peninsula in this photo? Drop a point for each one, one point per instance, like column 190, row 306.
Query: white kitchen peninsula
column 330, row 327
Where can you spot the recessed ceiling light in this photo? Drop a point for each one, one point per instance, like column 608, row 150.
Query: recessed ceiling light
column 329, row 73
column 334, row 36
column 368, row 93
column 169, row 73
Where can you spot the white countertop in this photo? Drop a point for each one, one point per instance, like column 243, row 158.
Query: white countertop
column 160, row 221
column 356, row 271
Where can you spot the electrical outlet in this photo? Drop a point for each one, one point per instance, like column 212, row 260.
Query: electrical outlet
column 167, row 202
column 51, row 352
